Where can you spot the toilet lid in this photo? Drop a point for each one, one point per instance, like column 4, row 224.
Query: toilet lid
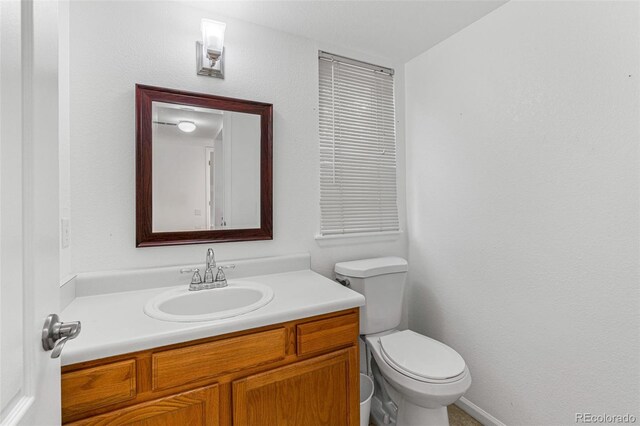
column 421, row 356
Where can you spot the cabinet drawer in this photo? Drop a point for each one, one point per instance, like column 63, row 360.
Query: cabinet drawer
column 177, row 367
column 327, row 334
column 96, row 387
column 196, row 407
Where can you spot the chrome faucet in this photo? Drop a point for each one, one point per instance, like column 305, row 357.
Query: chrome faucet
column 197, row 283
column 208, row 273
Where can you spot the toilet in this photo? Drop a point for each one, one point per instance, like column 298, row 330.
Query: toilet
column 415, row 376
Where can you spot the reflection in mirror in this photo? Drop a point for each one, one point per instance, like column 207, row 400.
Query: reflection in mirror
column 205, row 168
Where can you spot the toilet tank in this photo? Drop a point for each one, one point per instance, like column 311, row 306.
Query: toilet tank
column 381, row 281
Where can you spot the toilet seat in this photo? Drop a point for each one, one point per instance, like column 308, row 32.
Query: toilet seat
column 421, row 358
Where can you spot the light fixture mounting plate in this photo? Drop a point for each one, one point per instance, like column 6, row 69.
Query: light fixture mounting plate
column 202, row 63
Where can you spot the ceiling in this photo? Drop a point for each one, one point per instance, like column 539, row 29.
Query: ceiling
column 208, row 121
column 399, row 30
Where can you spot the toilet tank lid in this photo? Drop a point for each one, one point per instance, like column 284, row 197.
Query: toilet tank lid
column 371, row 267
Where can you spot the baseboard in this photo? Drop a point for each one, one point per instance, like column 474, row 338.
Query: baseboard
column 478, row 413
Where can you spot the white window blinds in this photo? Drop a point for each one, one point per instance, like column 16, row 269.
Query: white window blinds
column 357, row 148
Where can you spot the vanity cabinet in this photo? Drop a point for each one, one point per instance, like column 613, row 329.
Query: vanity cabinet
column 302, row 372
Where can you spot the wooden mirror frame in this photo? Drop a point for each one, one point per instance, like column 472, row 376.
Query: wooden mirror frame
column 145, row 237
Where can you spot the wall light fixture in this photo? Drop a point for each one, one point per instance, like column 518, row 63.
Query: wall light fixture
column 210, row 50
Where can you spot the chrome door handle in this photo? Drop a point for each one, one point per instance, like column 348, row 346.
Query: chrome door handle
column 56, row 333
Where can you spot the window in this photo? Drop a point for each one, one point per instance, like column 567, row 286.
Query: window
column 357, row 147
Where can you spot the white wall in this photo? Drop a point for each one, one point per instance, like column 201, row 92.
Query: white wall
column 115, row 45
column 522, row 148
column 241, row 136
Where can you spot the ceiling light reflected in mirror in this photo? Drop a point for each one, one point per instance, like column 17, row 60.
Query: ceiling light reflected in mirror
column 187, row 126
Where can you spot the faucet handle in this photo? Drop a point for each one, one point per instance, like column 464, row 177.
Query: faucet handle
column 196, row 279
column 221, row 279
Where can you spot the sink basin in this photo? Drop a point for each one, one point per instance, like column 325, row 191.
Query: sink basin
column 182, row 305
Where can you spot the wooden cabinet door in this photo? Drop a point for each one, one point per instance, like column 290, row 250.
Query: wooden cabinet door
column 319, row 391
column 199, row 407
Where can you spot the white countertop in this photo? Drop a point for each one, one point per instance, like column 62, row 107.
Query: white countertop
column 115, row 323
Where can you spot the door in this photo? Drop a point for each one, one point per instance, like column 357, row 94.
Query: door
column 29, row 217
column 210, row 185
column 321, row 391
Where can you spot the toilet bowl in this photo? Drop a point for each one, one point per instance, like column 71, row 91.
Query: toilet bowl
column 416, row 376
column 421, row 377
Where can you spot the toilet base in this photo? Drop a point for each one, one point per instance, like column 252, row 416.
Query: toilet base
column 407, row 414
column 413, row 415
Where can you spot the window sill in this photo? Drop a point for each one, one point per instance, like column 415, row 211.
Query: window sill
column 362, row 238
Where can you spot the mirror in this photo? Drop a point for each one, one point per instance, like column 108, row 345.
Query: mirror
column 203, row 168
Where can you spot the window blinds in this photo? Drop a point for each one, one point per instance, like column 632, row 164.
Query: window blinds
column 357, row 148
